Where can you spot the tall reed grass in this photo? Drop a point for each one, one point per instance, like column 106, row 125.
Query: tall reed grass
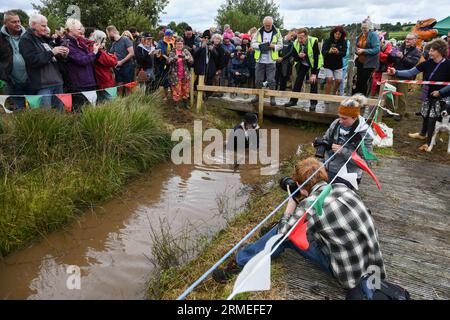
column 55, row 165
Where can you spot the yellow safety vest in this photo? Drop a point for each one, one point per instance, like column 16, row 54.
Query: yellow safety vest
column 274, row 53
column 310, row 52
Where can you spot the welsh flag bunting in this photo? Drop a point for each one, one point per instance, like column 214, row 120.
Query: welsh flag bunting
column 256, row 273
column 112, row 92
column 34, row 101
column 363, row 165
column 91, row 96
column 367, row 154
column 389, row 90
column 351, row 177
column 131, row 85
column 2, row 103
column 298, row 235
column 378, row 129
column 66, row 99
column 318, row 204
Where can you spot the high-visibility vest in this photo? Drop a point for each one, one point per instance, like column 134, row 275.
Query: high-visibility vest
column 274, row 53
column 310, row 52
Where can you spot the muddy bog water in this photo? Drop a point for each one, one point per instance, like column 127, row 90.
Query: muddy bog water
column 112, row 244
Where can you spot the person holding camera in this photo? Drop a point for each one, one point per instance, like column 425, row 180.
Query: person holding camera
column 144, row 58
column 343, row 241
column 349, row 128
column 179, row 76
column 206, row 58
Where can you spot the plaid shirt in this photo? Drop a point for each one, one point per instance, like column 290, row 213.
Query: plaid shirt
column 345, row 232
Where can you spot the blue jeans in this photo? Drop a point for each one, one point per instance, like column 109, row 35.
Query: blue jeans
column 314, row 253
column 48, row 100
column 19, row 89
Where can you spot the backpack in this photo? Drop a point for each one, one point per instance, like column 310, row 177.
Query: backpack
column 388, row 291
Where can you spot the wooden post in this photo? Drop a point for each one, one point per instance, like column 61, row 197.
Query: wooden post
column 261, row 107
column 351, row 63
column 192, row 89
column 384, row 76
column 201, row 82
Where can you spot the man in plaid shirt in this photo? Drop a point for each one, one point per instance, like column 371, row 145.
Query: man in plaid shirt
column 343, row 240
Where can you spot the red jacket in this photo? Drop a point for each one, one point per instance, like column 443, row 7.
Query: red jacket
column 384, row 55
column 103, row 72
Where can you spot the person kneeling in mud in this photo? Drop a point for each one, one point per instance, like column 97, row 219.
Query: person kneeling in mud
column 245, row 136
column 342, row 241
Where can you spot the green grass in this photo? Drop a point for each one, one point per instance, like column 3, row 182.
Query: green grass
column 54, row 166
column 389, row 152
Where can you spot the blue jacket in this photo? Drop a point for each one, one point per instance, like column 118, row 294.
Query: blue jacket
column 237, row 65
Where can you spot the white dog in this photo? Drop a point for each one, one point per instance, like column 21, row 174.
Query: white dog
column 442, row 126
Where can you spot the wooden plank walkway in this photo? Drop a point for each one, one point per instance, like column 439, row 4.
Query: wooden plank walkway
column 412, row 215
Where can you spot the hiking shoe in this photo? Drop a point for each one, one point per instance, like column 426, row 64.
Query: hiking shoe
column 224, row 275
column 398, row 118
column 417, row 135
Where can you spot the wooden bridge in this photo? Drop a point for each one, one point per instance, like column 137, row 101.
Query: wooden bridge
column 263, row 108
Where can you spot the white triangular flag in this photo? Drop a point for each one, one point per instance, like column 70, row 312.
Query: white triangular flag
column 256, row 273
column 350, row 177
column 2, row 103
column 91, row 96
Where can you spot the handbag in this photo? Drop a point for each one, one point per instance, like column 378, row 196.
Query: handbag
column 142, row 76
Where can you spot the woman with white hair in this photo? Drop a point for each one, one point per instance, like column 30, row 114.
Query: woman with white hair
column 80, row 62
column 104, row 62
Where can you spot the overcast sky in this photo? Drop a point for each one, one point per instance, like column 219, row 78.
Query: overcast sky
column 298, row 13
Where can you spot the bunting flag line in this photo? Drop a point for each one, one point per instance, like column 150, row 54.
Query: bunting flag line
column 256, row 273
column 66, row 99
column 34, row 101
column 91, row 96
column 352, row 177
column 379, row 131
column 388, row 91
column 363, row 165
column 298, row 235
column 318, row 205
column 3, row 104
column 389, row 111
column 367, row 154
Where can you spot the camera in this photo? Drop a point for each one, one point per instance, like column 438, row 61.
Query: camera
column 321, row 146
column 288, row 181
